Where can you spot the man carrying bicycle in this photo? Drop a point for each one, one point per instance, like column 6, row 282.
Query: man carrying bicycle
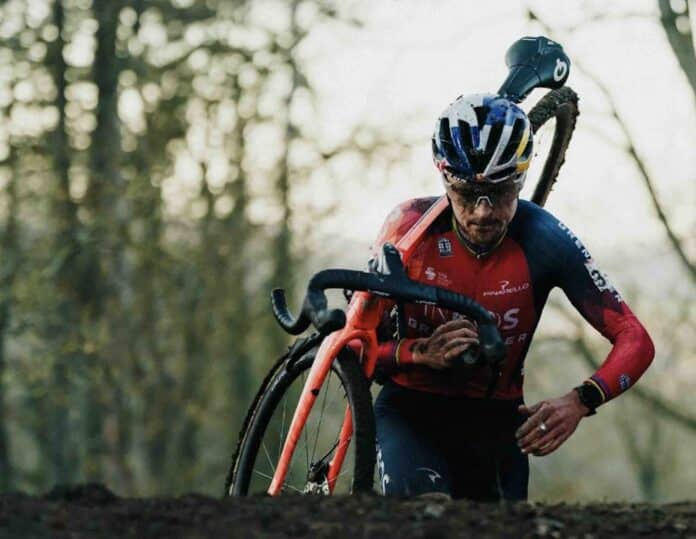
column 436, row 429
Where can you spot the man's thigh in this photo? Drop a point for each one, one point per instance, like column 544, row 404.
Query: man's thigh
column 485, row 473
column 409, row 460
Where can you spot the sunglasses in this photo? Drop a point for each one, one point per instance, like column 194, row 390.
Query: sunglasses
column 471, row 195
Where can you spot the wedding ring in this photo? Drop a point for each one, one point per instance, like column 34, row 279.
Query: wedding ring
column 543, row 427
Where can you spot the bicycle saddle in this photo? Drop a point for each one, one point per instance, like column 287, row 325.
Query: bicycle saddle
column 534, row 62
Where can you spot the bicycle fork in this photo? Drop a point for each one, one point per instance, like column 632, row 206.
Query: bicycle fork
column 327, row 353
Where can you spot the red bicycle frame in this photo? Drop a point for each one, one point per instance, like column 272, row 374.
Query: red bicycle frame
column 363, row 317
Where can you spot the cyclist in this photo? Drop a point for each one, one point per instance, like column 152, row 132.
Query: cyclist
column 436, row 430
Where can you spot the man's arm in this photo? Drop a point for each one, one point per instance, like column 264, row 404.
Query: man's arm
column 396, row 354
column 552, row 421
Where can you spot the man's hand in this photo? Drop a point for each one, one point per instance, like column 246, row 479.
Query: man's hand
column 550, row 423
column 447, row 342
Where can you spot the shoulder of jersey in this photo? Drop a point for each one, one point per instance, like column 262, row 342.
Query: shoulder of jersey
column 403, row 217
column 542, row 236
column 533, row 220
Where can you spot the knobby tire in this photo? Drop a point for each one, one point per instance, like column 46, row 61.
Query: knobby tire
column 561, row 104
column 286, row 371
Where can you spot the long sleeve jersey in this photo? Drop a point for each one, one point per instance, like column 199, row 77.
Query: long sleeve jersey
column 513, row 282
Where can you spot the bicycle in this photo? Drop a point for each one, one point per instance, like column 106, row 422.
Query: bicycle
column 316, row 359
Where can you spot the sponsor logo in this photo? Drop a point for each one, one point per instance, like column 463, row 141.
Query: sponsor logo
column 560, row 70
column 624, row 382
column 443, row 279
column 576, row 241
column 512, row 339
column 433, row 475
column 508, row 320
column 444, row 246
column 505, row 288
column 430, row 273
column 433, row 312
column 600, row 279
column 384, row 477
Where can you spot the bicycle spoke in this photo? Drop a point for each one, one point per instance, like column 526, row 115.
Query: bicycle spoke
column 268, row 457
column 321, row 415
column 284, row 485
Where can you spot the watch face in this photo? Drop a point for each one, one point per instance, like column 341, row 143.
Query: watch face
column 590, row 396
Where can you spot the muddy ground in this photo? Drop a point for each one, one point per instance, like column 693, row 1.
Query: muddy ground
column 93, row 511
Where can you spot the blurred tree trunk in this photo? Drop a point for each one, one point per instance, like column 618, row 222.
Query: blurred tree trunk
column 107, row 203
column 149, row 371
column 67, row 338
column 284, row 263
column 8, row 270
column 647, row 456
column 239, row 316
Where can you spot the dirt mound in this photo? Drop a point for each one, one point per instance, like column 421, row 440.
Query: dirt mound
column 93, row 511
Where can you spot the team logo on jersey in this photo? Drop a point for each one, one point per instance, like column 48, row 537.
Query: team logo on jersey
column 444, row 246
column 505, row 288
column 624, row 382
column 430, row 273
column 443, row 279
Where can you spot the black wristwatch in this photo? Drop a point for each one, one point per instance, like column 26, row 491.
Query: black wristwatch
column 590, row 396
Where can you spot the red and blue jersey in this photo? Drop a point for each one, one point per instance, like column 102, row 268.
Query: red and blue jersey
column 513, row 282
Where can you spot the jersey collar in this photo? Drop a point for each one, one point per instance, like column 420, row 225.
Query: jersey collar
column 476, row 250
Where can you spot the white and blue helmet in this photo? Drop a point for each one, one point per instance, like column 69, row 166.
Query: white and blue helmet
column 483, row 138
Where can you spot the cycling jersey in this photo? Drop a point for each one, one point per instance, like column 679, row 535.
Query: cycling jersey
column 513, row 282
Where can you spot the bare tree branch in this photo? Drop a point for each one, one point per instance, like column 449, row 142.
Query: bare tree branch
column 658, row 404
column 631, row 149
column 680, row 41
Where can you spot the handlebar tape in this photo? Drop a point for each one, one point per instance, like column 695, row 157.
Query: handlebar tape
column 315, row 310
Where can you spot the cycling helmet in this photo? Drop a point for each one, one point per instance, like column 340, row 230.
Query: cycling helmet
column 483, row 138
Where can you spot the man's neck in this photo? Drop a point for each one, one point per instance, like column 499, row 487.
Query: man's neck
column 478, row 250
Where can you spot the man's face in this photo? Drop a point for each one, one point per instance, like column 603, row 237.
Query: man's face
column 483, row 211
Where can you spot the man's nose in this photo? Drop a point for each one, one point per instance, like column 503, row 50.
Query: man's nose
column 484, row 205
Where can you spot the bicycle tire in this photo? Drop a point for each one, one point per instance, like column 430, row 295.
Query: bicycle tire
column 280, row 378
column 561, row 104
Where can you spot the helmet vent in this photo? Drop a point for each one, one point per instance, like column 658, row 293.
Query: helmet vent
column 481, row 115
column 466, row 135
column 514, row 142
column 493, row 140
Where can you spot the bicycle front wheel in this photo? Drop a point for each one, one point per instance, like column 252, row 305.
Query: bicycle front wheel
column 553, row 122
column 265, row 428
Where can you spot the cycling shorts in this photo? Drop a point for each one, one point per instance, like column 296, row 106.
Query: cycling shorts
column 465, row 447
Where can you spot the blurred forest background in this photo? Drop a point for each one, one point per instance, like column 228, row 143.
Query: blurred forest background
column 164, row 163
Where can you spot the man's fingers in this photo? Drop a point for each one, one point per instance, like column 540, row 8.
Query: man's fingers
column 529, row 410
column 453, row 325
column 456, row 352
column 551, row 447
column 461, row 332
column 536, row 432
column 543, row 439
column 457, row 343
column 534, row 418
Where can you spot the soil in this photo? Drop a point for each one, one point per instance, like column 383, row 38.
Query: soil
column 93, row 511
